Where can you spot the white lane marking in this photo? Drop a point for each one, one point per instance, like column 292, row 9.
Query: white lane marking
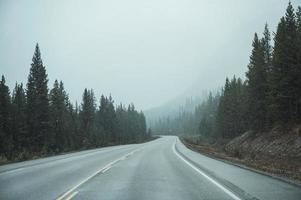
column 231, row 194
column 72, row 195
column 105, row 168
column 62, row 158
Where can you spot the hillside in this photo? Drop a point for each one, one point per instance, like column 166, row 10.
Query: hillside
column 172, row 108
column 277, row 152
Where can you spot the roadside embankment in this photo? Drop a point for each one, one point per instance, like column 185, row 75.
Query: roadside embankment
column 276, row 152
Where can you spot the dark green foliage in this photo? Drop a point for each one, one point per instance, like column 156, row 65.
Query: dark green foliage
column 37, row 104
column 257, row 86
column 270, row 96
column 5, row 120
column 87, row 118
column 232, row 111
column 131, row 125
column 36, row 122
column 107, row 118
column 266, row 45
column 18, row 112
column 284, row 74
column 60, row 118
column 298, row 65
column 201, row 121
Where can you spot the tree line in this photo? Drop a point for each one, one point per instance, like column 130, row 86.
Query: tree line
column 269, row 95
column 37, row 121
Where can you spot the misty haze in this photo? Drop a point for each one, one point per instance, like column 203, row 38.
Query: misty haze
column 150, row 99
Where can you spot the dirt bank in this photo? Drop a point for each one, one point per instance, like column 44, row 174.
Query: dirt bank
column 277, row 152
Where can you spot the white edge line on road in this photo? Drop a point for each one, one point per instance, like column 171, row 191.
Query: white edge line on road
column 231, row 194
column 72, row 195
column 105, row 168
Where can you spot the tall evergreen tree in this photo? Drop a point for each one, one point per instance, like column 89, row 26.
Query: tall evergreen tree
column 6, row 139
column 19, row 126
column 76, row 136
column 122, row 124
column 107, row 118
column 87, row 118
column 37, row 104
column 298, row 66
column 284, row 93
column 266, row 44
column 231, row 112
column 101, row 119
column 36, row 122
column 59, row 116
column 257, row 85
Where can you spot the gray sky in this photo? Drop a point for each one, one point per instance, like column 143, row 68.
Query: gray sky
column 141, row 51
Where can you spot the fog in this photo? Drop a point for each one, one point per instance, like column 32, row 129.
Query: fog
column 145, row 52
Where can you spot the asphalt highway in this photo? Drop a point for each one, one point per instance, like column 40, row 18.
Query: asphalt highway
column 161, row 169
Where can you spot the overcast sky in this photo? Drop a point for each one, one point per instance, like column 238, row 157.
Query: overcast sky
column 141, row 51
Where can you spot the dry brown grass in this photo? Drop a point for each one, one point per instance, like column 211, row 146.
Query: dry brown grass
column 289, row 170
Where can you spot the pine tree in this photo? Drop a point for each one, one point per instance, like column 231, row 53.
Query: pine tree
column 241, row 107
column 257, row 85
column 221, row 111
column 119, row 123
column 19, row 126
column 284, row 71
column 59, row 117
column 87, row 118
column 107, row 119
column 231, row 112
column 101, row 119
column 142, row 126
column 112, row 121
column 266, row 45
column 75, row 127
column 37, row 104
column 6, row 139
column 298, row 66
column 227, row 112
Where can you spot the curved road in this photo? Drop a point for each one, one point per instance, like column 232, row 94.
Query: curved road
column 160, row 169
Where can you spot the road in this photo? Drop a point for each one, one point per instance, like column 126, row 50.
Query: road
column 160, row 169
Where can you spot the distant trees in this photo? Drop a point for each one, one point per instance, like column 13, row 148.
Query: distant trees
column 60, row 120
column 270, row 95
column 273, row 78
column 232, row 109
column 37, row 121
column 206, row 115
column 107, row 118
column 87, row 117
column 203, row 119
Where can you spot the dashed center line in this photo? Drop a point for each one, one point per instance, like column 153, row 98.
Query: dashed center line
column 68, row 195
